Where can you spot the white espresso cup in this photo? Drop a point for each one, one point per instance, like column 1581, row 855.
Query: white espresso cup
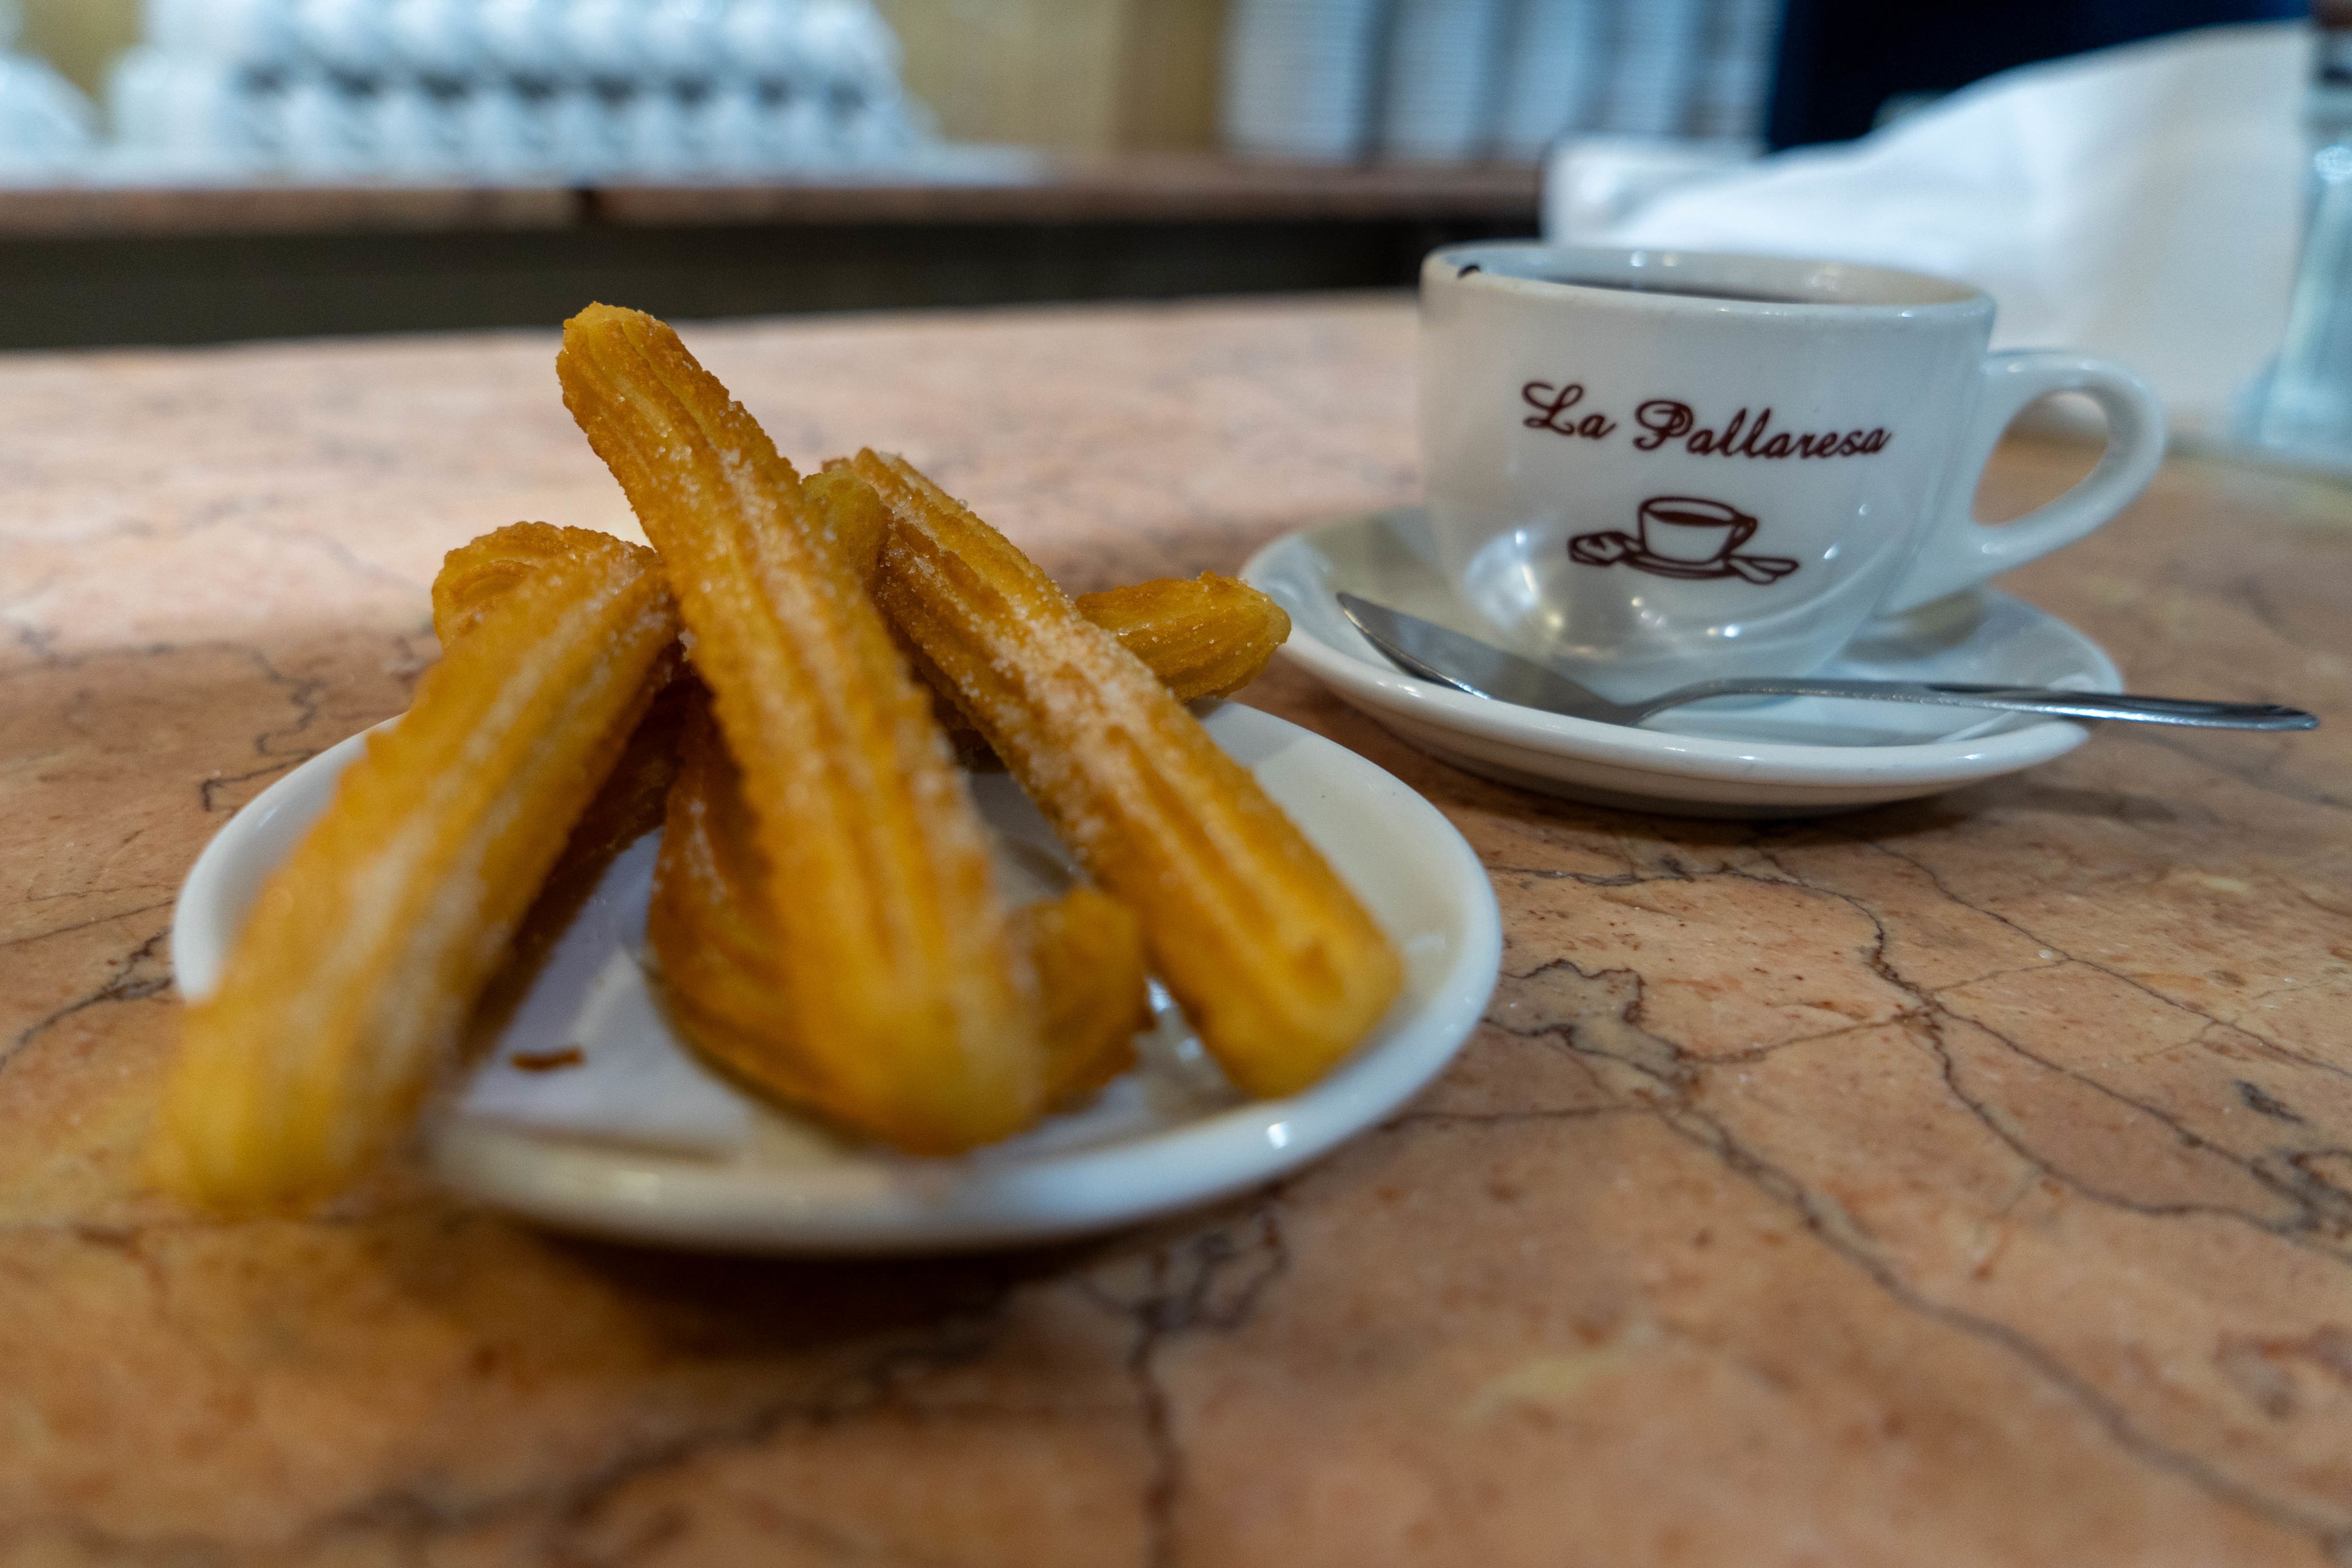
column 1657, row 466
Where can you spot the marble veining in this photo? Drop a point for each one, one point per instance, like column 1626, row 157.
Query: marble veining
column 1962, row 1182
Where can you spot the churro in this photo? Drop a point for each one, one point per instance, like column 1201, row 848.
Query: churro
column 1088, row 949
column 1276, row 961
column 480, row 572
column 709, row 927
column 368, row 946
column 1206, row 636
column 711, row 935
column 913, row 1015
column 850, row 516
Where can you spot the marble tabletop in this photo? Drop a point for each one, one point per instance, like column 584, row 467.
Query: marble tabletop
column 1964, row 1182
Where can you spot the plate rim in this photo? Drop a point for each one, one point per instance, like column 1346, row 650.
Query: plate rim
column 611, row 1190
column 1659, row 752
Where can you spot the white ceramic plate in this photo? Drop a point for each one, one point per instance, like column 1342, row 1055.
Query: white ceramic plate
column 636, row 1141
column 1787, row 756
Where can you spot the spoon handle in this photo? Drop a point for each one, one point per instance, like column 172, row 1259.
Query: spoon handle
column 2194, row 713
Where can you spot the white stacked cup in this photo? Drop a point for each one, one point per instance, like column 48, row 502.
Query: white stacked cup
column 1299, row 76
column 731, row 129
column 656, row 136
column 843, row 44
column 760, row 42
column 347, row 38
column 516, row 88
column 602, row 43
column 521, row 40
column 436, row 40
column 1438, row 90
column 1552, row 74
column 499, row 133
column 44, row 123
column 679, row 40
column 320, row 128
column 406, row 132
column 186, row 97
column 1656, row 69
column 1736, row 70
column 581, row 138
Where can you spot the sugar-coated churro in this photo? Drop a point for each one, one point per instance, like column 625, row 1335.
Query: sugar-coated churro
column 1205, row 636
column 367, row 947
column 1088, row 949
column 710, row 926
column 478, row 573
column 1273, row 957
column 914, row 1017
column 850, row 516
column 711, row 935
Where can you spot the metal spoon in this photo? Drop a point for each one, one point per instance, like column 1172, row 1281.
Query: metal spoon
column 1433, row 653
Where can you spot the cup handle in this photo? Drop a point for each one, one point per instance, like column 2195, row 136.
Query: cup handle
column 1959, row 551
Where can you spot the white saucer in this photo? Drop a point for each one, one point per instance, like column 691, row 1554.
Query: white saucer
column 1787, row 756
column 639, row 1142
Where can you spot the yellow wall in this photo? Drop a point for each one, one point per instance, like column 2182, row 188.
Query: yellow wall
column 80, row 37
column 1036, row 71
column 1169, row 78
column 1077, row 75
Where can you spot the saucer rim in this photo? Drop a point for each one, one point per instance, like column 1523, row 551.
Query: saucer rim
column 1668, row 754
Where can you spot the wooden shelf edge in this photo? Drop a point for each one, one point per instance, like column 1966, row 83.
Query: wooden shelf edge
column 1124, row 191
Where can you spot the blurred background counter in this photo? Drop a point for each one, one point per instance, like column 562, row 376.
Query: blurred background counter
column 184, row 170
column 92, row 266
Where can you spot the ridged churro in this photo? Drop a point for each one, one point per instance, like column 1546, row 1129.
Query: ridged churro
column 709, row 927
column 1088, row 949
column 850, row 516
column 368, row 946
column 478, row 573
column 1271, row 955
column 710, row 932
column 1205, row 636
column 914, row 1017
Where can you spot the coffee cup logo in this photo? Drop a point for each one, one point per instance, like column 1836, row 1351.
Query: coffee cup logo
column 1685, row 536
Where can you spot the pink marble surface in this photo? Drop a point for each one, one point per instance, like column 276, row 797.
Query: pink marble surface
column 1966, row 1182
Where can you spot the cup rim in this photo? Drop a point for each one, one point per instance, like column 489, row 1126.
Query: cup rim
column 1931, row 297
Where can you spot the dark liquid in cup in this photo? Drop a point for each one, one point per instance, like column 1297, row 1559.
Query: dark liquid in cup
column 1688, row 291
column 1660, row 286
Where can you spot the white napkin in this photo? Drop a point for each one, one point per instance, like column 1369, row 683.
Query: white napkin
column 2141, row 203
